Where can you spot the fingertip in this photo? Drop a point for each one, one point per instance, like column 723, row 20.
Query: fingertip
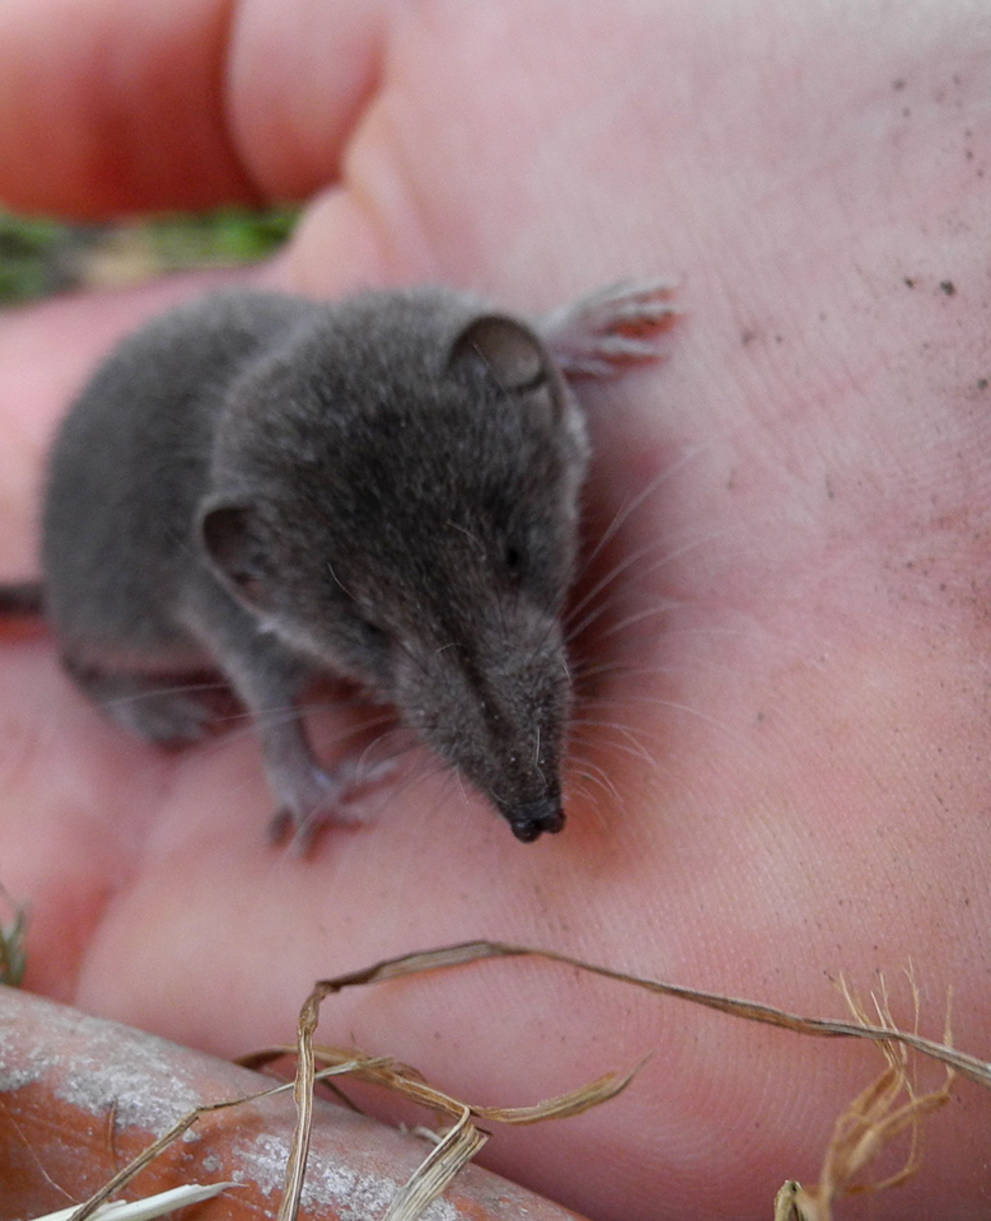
column 108, row 108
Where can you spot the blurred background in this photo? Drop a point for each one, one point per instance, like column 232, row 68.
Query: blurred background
column 40, row 256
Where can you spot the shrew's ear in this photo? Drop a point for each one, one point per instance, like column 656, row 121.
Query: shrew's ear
column 509, row 352
column 234, row 542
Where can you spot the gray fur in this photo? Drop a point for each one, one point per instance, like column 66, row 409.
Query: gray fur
column 384, row 489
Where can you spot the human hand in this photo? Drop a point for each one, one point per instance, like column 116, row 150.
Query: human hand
column 789, row 705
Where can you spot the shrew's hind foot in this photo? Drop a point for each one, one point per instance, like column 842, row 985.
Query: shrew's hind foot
column 621, row 325
column 313, row 798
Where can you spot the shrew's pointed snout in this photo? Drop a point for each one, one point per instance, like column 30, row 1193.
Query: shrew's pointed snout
column 530, row 819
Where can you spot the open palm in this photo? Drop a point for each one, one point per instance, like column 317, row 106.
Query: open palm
column 780, row 761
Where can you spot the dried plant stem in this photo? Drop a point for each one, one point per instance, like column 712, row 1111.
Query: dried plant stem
column 755, row 1011
column 869, row 1124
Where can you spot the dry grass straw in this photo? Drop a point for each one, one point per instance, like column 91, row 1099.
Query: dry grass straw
column 453, row 1149
column 877, row 1116
column 158, row 1205
column 872, row 1121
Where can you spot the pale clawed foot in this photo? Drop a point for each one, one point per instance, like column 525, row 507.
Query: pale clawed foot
column 624, row 324
column 313, row 798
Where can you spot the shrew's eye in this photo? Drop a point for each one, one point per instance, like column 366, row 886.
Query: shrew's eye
column 516, row 565
column 374, row 635
column 367, row 630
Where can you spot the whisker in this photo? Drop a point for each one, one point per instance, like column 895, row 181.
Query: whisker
column 576, row 788
column 579, row 787
column 612, row 575
column 665, row 607
column 582, row 670
column 635, row 751
column 591, row 731
column 631, row 558
column 639, row 617
column 281, row 715
column 706, row 718
column 596, row 775
column 395, row 793
column 625, row 511
column 574, row 630
column 404, row 747
column 597, row 795
column 166, row 689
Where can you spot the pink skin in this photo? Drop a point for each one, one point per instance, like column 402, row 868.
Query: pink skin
column 798, row 784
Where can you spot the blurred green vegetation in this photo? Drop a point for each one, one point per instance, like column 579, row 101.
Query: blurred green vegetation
column 12, row 953
column 40, row 255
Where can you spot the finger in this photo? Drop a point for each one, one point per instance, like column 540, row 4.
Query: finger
column 108, row 106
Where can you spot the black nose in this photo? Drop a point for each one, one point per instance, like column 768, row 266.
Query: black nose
column 532, row 818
